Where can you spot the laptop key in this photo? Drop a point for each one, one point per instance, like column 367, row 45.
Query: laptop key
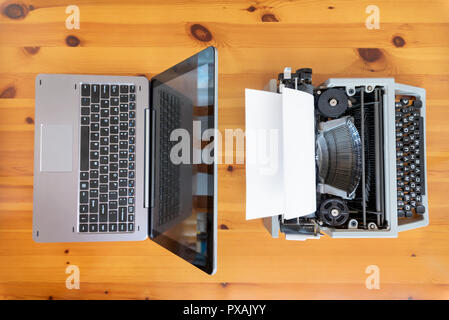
column 84, row 197
column 85, row 102
column 104, row 122
column 123, row 98
column 122, row 227
column 113, row 195
column 113, row 186
column 122, row 214
column 93, row 184
column 85, row 120
column 84, row 227
column 123, row 107
column 115, row 90
column 94, row 155
column 123, row 174
column 104, row 132
column 93, row 227
column 113, row 227
column 104, row 178
column 123, row 126
column 103, row 212
column 103, row 198
column 93, row 218
column 94, row 145
column 95, row 107
column 103, row 227
column 84, row 218
column 114, row 129
column 84, row 175
column 95, row 126
column 124, row 135
column 130, row 227
column 123, row 163
column 84, row 185
column 104, row 151
column 104, row 113
column 94, row 136
column 105, row 91
column 94, row 174
column 115, row 101
column 85, row 90
column 93, row 206
column 93, row 193
column 84, row 208
column 124, row 88
column 95, row 93
column 113, row 216
column 104, row 103
column 124, row 154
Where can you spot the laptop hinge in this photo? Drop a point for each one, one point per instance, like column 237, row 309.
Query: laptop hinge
column 153, row 155
column 146, row 201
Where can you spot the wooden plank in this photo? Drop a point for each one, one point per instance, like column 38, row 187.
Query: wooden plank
column 226, row 35
column 249, row 12
column 239, row 60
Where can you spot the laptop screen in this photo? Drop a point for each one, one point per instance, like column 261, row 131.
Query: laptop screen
column 183, row 218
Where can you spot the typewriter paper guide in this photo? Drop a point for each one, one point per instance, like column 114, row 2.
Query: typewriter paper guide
column 280, row 154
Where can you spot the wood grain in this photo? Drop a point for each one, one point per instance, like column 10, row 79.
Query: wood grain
column 256, row 40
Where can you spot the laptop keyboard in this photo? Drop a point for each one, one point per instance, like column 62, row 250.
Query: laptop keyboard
column 169, row 172
column 107, row 158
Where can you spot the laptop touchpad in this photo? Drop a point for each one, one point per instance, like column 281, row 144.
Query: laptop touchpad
column 56, row 148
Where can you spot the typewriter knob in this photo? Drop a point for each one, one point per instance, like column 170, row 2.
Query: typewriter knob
column 332, row 103
column 334, row 212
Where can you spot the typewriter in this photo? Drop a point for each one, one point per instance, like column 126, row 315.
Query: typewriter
column 369, row 156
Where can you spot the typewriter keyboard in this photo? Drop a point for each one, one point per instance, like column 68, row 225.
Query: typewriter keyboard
column 107, row 158
column 410, row 158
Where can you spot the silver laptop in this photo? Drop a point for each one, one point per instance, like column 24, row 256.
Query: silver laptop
column 122, row 158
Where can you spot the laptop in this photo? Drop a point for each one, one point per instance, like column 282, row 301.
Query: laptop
column 121, row 158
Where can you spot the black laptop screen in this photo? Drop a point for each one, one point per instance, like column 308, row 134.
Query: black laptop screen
column 183, row 196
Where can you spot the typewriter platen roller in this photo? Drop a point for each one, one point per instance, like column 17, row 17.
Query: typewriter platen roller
column 370, row 158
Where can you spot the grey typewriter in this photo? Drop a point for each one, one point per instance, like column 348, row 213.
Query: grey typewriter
column 370, row 158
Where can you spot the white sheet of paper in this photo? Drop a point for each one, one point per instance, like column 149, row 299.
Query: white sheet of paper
column 298, row 121
column 264, row 177
column 280, row 154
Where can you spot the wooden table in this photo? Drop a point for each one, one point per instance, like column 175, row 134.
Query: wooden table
column 255, row 40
